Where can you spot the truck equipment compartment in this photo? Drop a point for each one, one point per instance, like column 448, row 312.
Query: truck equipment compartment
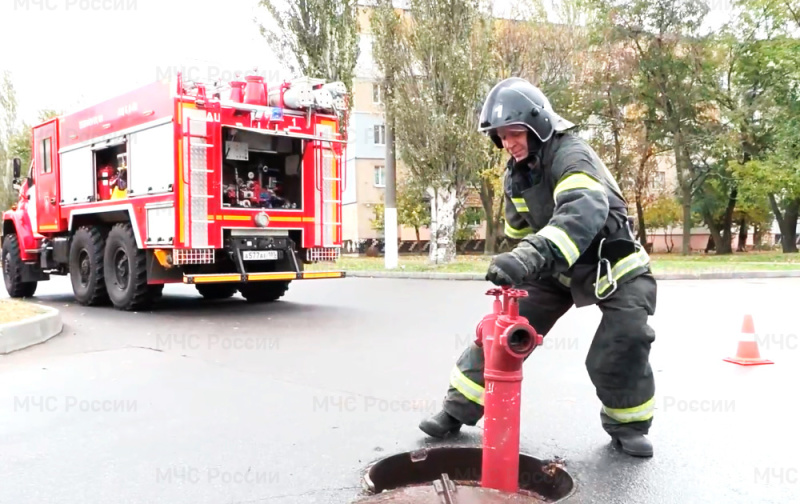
column 261, row 170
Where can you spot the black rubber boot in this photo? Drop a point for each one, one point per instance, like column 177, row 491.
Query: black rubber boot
column 634, row 444
column 440, row 425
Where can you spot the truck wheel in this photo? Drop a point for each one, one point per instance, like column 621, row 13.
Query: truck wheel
column 12, row 270
column 86, row 267
column 125, row 270
column 263, row 292
column 216, row 291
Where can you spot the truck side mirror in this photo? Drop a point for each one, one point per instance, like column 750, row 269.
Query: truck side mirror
column 17, row 167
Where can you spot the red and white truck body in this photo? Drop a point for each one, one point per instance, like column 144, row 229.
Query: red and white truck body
column 230, row 190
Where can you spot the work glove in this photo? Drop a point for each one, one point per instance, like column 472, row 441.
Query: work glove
column 507, row 269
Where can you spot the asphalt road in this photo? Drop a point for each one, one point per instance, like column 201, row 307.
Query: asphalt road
column 224, row 402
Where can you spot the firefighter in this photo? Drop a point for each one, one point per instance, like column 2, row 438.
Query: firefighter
column 576, row 249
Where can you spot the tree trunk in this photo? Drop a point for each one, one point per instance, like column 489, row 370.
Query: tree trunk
column 498, row 218
column 787, row 221
column 726, row 247
column 685, row 184
column 487, row 200
column 443, row 226
column 711, row 244
column 671, row 244
column 491, row 238
column 742, row 246
column 757, row 233
column 790, row 216
column 641, row 232
column 720, row 232
column 721, row 237
column 687, row 220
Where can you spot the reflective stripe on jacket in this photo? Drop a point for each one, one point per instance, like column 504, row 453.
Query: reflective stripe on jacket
column 560, row 204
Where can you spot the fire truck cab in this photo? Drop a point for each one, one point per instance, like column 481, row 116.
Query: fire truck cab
column 230, row 188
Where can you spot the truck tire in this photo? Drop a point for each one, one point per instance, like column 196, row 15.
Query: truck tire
column 12, row 270
column 125, row 270
column 216, row 291
column 86, row 267
column 263, row 292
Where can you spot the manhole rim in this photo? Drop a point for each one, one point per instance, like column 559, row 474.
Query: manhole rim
column 369, row 486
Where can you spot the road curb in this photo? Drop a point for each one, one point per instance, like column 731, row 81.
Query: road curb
column 711, row 275
column 728, row 275
column 31, row 331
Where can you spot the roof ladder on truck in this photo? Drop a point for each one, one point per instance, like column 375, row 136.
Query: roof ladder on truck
column 198, row 134
column 329, row 189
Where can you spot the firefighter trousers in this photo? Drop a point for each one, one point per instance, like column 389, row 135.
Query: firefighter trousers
column 617, row 361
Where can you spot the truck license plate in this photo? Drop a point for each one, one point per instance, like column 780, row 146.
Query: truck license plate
column 260, row 255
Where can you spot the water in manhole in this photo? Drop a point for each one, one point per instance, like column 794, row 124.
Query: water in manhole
column 452, row 475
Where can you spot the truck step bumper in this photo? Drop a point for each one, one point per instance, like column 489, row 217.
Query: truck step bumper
column 260, row 277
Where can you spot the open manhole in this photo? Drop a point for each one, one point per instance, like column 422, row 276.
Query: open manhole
column 452, row 475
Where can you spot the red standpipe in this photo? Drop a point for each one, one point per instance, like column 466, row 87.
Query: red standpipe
column 507, row 339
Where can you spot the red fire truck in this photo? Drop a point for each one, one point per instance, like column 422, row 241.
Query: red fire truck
column 231, row 187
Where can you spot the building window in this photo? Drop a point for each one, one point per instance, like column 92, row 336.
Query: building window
column 379, row 134
column 376, row 93
column 473, row 216
column 380, row 176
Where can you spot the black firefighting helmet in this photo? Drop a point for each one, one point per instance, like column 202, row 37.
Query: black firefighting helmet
column 515, row 101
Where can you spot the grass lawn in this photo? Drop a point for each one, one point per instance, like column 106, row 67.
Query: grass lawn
column 14, row 311
column 662, row 263
column 741, row 261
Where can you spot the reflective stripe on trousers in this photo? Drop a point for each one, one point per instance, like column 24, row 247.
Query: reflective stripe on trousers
column 467, row 387
column 636, row 414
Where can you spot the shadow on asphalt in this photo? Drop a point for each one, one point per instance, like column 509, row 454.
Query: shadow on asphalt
column 191, row 306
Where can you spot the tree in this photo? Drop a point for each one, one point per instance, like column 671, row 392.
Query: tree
column 745, row 50
column 413, row 207
column 715, row 203
column 547, row 55
column 315, row 38
column 512, row 53
column 752, row 214
column 490, row 188
column 775, row 179
column 664, row 213
column 413, row 210
column 674, row 75
column 19, row 145
column 8, row 134
column 466, row 219
column 386, row 49
column 377, row 221
column 437, row 93
column 618, row 130
column 764, row 71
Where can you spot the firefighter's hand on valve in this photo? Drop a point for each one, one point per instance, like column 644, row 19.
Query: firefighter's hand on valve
column 507, row 269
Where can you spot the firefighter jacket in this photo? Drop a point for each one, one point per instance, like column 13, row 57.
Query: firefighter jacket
column 571, row 217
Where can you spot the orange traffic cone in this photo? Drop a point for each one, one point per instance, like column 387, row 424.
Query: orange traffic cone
column 747, row 353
